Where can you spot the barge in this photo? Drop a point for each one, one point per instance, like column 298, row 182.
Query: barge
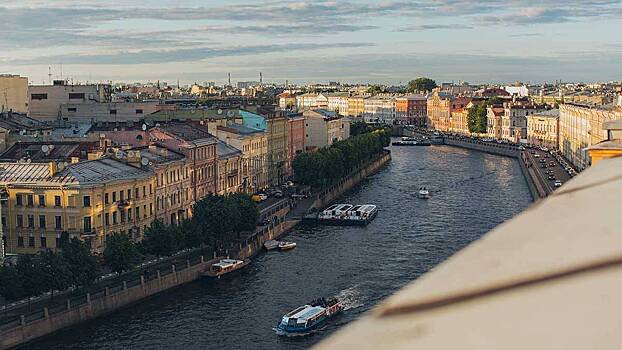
column 348, row 214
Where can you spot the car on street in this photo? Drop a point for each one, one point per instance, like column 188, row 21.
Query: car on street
column 558, row 183
column 551, row 163
column 551, row 177
column 542, row 161
column 536, row 155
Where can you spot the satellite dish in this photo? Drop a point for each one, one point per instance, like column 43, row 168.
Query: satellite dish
column 28, row 160
column 219, row 111
column 61, row 166
column 144, row 127
column 230, row 113
column 45, row 149
column 144, row 161
column 118, row 154
column 150, row 163
column 51, row 147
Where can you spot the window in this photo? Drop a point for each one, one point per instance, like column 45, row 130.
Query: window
column 121, row 195
column 113, row 112
column 137, row 210
column 44, row 242
column 20, row 242
column 39, row 96
column 114, row 218
column 150, row 208
column 129, row 214
column 18, row 200
column 136, row 192
column 42, row 200
column 71, row 109
column 86, row 201
column 129, row 194
column 150, row 189
column 57, row 201
column 144, row 191
column 106, row 198
column 107, row 218
column 139, row 111
column 87, row 224
column 4, row 221
column 31, row 242
column 31, row 221
column 42, row 221
column 58, row 222
column 31, row 200
column 76, row 95
column 20, row 221
column 122, row 216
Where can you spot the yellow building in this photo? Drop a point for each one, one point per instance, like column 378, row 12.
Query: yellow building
column 610, row 148
column 13, row 93
column 493, row 120
column 438, row 110
column 89, row 200
column 356, row 106
column 229, row 169
column 459, row 121
column 254, row 146
column 581, row 127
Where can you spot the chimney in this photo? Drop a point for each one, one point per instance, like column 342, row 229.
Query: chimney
column 74, row 160
column 53, row 168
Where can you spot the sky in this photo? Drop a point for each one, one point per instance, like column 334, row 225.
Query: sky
column 392, row 41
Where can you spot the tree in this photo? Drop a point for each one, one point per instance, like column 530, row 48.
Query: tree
column 83, row 265
column 30, row 270
column 421, row 85
column 121, row 252
column 249, row 213
column 375, row 89
column 359, row 127
column 495, row 100
column 55, row 272
column 11, row 286
column 162, row 240
column 477, row 118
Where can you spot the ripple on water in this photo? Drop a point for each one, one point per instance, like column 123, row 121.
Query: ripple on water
column 472, row 193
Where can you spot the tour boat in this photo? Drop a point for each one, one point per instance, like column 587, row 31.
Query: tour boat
column 224, row 267
column 287, row 245
column 271, row 244
column 348, row 214
column 423, row 193
column 412, row 142
column 308, row 318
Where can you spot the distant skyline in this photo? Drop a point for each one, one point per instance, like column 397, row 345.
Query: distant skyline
column 313, row 41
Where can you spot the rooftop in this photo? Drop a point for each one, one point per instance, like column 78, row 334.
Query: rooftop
column 47, row 151
column 226, row 151
column 239, row 129
column 187, row 132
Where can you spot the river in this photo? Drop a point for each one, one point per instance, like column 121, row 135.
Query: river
column 472, row 193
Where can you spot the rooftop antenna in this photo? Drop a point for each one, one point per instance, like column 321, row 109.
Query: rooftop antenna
column 229, row 74
column 61, row 71
column 260, row 78
column 50, row 74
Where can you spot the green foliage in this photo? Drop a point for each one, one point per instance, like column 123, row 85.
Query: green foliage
column 477, row 118
column 329, row 164
column 55, row 272
column 11, row 284
column 161, row 239
column 495, row 100
column 359, row 127
column 375, row 89
column 82, row 264
column 121, row 252
column 421, row 85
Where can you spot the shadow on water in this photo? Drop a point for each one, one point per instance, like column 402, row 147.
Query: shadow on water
column 473, row 192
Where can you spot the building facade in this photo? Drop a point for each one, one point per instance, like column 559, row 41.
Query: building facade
column 439, row 110
column 514, row 120
column 45, row 101
column 229, row 169
column 311, row 100
column 581, row 127
column 356, row 106
column 494, row 114
column 323, row 127
column 379, row 109
column 338, row 102
column 13, row 93
column 295, row 137
column 542, row 128
column 411, row 110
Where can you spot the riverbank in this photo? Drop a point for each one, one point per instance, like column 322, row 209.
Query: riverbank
column 92, row 305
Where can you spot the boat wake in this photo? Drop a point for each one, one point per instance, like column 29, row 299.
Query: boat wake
column 350, row 298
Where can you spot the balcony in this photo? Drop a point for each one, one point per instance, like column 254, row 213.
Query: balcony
column 548, row 279
column 123, row 203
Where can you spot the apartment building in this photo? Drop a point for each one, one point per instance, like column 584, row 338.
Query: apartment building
column 323, row 127
column 13, row 93
column 542, row 128
column 356, row 106
column 311, row 100
column 45, row 101
column 295, row 137
column 229, row 169
column 493, row 120
column 338, row 102
column 439, row 110
column 411, row 110
column 89, row 200
column 582, row 126
column 514, row 120
column 380, row 109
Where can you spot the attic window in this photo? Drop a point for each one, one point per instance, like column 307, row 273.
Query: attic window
column 71, row 109
column 113, row 112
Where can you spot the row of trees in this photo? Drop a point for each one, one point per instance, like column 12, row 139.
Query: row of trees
column 216, row 220
column 72, row 265
column 478, row 115
column 329, row 164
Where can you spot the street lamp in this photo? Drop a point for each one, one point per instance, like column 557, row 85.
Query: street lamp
column 2, row 195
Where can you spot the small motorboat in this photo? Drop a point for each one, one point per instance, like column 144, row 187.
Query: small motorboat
column 271, row 244
column 287, row 245
column 308, row 318
column 423, row 193
column 223, row 267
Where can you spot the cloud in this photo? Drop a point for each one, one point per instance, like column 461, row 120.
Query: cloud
column 177, row 55
column 422, row 27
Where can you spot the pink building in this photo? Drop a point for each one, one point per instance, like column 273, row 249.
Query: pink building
column 296, row 137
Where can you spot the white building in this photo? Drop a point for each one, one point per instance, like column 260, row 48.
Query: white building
column 108, row 112
column 520, row 91
column 338, row 102
column 379, row 109
column 514, row 120
column 323, row 127
column 310, row 101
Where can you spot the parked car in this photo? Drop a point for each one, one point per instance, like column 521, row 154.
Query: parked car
column 551, row 177
column 551, row 163
column 558, row 183
column 536, row 155
column 542, row 161
column 259, row 197
column 521, row 148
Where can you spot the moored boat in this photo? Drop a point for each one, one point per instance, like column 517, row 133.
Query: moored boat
column 223, row 267
column 271, row 244
column 287, row 245
column 308, row 318
column 348, row 214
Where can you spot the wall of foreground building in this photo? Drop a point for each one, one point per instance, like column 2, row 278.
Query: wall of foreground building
column 550, row 278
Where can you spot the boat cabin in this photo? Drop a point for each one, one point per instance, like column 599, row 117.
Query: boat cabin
column 225, row 265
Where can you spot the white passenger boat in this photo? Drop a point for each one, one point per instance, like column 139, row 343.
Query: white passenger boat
column 287, row 245
column 271, row 244
column 348, row 214
column 308, row 318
